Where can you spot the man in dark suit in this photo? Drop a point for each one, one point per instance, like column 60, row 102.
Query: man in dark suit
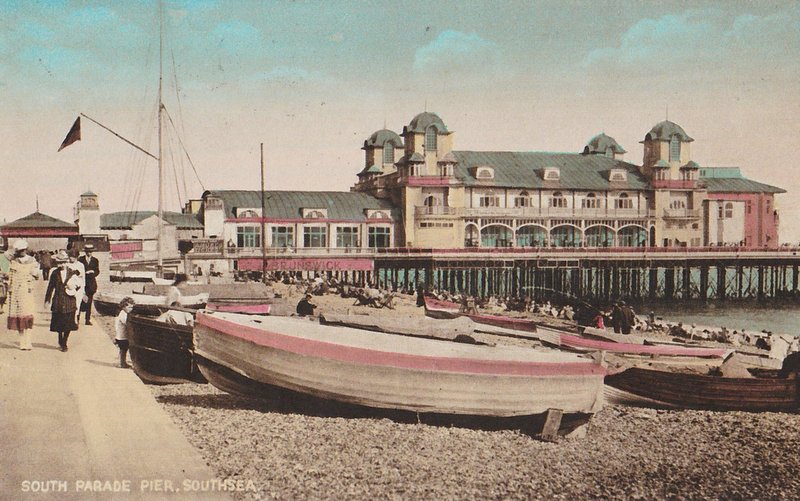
column 92, row 266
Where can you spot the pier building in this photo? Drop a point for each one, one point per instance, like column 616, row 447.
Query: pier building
column 451, row 198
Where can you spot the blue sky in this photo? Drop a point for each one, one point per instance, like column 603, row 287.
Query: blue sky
column 312, row 80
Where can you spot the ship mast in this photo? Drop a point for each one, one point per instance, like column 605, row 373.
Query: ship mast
column 159, row 243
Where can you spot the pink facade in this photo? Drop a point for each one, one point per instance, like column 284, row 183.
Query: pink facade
column 761, row 219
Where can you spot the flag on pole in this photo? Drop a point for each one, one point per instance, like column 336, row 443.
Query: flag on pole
column 73, row 135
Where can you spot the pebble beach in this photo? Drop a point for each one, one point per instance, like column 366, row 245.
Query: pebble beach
column 625, row 452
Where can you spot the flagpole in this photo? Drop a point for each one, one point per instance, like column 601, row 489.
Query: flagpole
column 159, row 243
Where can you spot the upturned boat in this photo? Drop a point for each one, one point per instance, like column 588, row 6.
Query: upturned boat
column 281, row 357
column 664, row 389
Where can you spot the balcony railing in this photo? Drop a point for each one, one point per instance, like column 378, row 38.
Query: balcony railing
column 558, row 212
column 237, row 252
column 438, row 210
column 681, row 213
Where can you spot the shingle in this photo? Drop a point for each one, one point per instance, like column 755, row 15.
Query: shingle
column 738, row 185
column 128, row 219
column 38, row 220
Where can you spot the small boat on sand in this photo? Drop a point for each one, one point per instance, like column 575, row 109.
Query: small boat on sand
column 440, row 309
column 161, row 348
column 578, row 343
column 665, row 389
column 282, row 357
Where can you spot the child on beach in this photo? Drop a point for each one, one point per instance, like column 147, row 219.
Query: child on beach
column 120, row 331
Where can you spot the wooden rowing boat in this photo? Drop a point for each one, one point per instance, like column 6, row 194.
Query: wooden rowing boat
column 107, row 303
column 440, row 309
column 161, row 350
column 578, row 343
column 265, row 356
column 655, row 388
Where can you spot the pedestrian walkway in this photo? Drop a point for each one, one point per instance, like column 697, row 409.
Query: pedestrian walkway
column 73, row 425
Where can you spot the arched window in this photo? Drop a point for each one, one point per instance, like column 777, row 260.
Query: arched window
column 590, row 202
column 522, row 200
column 558, row 200
column 430, row 138
column 675, row 149
column 431, row 201
column 610, row 152
column 388, row 153
column 728, row 210
column 623, row 202
column 248, row 213
column 489, row 199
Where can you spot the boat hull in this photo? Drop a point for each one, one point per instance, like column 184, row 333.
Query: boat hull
column 650, row 388
column 162, row 352
column 372, row 377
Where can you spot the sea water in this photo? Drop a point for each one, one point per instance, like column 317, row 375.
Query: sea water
column 780, row 318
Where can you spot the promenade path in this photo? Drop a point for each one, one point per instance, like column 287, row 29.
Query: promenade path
column 79, row 426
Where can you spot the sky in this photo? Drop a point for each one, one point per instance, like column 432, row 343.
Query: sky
column 312, row 80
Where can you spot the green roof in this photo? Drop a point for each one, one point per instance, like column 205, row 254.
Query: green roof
column 663, row 131
column 738, row 185
column 383, row 136
column 424, row 120
column 600, row 143
column 128, row 219
column 39, row 220
column 524, row 170
column 342, row 205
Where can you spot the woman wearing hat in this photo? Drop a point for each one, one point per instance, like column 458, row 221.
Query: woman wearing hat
column 64, row 285
column 23, row 270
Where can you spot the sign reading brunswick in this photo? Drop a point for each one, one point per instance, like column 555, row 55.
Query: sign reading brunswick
column 308, row 264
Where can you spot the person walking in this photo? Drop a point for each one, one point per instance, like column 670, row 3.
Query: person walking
column 62, row 288
column 78, row 271
column 628, row 317
column 616, row 318
column 45, row 263
column 23, row 270
column 92, row 266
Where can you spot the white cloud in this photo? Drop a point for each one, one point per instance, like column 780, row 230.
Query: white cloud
column 456, row 52
column 696, row 38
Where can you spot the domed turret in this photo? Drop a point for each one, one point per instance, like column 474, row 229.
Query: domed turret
column 664, row 131
column 380, row 138
column 421, row 122
column 602, row 144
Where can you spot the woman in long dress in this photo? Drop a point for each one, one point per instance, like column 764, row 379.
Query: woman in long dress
column 23, row 270
column 62, row 288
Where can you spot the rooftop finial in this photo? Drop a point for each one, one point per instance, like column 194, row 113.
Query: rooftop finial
column 37, row 202
column 667, row 111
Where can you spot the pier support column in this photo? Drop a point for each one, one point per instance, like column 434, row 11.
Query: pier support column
column 687, row 282
column 653, row 283
column 795, row 271
column 760, row 271
column 721, row 285
column 669, row 282
column 704, row 283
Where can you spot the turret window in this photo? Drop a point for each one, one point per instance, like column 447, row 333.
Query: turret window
column 388, row 153
column 430, row 138
column 675, row 149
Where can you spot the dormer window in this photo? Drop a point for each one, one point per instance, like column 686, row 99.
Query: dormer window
column 484, row 173
column 552, row 174
column 247, row 213
column 388, row 153
column 618, row 176
column 446, row 170
column 675, row 149
column 315, row 213
column 430, row 138
column 610, row 152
